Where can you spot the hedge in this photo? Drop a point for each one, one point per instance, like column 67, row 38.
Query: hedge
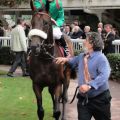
column 114, row 60
column 6, row 56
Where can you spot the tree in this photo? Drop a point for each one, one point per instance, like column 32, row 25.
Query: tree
column 12, row 3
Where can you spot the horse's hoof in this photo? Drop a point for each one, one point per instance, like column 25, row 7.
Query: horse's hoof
column 56, row 115
column 63, row 119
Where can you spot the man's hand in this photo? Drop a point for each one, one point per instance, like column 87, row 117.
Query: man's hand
column 61, row 60
column 84, row 88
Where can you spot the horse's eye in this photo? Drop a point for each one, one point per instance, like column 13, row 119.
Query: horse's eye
column 45, row 23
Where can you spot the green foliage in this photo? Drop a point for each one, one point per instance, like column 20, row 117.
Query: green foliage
column 114, row 60
column 18, row 102
column 6, row 57
column 12, row 3
column 77, row 52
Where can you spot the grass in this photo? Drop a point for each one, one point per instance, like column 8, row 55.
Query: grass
column 18, row 102
column 3, row 72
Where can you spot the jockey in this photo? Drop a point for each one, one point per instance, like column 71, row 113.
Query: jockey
column 55, row 10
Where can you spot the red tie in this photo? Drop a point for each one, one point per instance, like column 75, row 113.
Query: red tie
column 86, row 71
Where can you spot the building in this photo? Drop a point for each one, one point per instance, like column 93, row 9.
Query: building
column 88, row 12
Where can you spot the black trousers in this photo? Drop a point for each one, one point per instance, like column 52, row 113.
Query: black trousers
column 19, row 60
column 97, row 107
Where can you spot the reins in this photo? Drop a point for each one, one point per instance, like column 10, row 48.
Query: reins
column 43, row 45
column 74, row 94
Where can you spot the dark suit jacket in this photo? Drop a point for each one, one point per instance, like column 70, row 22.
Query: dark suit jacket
column 109, row 48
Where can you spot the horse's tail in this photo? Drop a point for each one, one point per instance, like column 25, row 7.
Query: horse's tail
column 74, row 94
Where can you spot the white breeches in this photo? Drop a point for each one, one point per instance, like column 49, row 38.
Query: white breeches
column 57, row 33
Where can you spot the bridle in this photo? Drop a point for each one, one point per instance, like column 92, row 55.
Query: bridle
column 42, row 47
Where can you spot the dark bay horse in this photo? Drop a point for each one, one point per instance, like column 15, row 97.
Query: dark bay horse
column 44, row 72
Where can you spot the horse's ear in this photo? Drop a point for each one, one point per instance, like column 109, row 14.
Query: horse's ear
column 31, row 5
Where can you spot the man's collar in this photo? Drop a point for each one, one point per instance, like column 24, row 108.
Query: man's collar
column 92, row 54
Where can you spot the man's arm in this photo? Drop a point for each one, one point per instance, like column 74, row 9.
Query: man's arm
column 60, row 17
column 61, row 60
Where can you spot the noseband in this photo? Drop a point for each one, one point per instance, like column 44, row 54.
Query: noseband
column 37, row 32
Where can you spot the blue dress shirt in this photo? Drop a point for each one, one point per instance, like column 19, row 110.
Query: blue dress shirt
column 99, row 70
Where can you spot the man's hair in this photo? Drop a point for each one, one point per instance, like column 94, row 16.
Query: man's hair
column 108, row 25
column 19, row 20
column 96, row 40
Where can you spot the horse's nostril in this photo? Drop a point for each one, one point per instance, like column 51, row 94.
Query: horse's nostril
column 38, row 45
column 33, row 47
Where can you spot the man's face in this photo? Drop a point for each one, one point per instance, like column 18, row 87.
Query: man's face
column 107, row 29
column 67, row 29
column 87, row 44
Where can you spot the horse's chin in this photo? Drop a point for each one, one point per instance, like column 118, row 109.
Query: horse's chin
column 37, row 50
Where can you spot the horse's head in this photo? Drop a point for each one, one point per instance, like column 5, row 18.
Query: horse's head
column 41, row 29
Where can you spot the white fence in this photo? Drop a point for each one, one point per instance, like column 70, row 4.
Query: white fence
column 5, row 41
column 117, row 45
column 77, row 44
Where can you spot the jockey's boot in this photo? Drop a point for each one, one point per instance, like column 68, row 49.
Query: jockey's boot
column 64, row 45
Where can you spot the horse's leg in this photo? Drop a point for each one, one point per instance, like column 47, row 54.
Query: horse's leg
column 65, row 93
column 57, row 111
column 52, row 92
column 38, row 92
column 64, row 101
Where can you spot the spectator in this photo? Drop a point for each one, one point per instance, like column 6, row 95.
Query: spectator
column 67, row 30
column 101, row 30
column 76, row 22
column 86, row 30
column 19, row 47
column 115, row 32
column 109, row 48
column 100, row 25
column 94, row 99
column 77, row 32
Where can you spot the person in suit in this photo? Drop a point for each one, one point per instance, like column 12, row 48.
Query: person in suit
column 67, row 30
column 77, row 32
column 19, row 47
column 109, row 48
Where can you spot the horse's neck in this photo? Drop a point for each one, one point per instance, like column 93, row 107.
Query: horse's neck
column 40, row 59
column 58, row 52
column 69, row 44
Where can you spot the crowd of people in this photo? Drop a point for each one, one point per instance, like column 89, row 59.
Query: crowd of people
column 107, row 32
column 74, row 31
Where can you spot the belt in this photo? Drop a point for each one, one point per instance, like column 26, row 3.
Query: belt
column 83, row 97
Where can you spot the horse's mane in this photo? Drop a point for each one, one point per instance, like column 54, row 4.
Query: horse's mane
column 69, row 44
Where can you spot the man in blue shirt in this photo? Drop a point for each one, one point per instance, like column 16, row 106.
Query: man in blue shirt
column 93, row 74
